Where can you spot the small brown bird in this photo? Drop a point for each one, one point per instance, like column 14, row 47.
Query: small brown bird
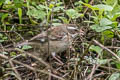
column 59, row 37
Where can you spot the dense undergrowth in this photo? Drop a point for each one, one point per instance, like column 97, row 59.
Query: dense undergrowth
column 94, row 55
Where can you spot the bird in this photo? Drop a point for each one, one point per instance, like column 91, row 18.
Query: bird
column 54, row 40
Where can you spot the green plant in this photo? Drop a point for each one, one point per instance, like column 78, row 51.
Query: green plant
column 103, row 19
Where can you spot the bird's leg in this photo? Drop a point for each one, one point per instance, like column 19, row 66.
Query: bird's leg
column 54, row 56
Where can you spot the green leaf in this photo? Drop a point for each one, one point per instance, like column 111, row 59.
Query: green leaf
column 4, row 16
column 25, row 47
column 99, row 28
column 5, row 38
column 86, row 1
column 108, row 34
column 58, row 8
column 102, row 61
column 56, row 20
column 64, row 20
column 117, row 63
column 105, row 22
column 73, row 13
column 4, row 53
column 89, row 6
column 104, row 7
column 18, row 3
column 36, row 13
column 59, row 3
column 1, row 2
column 94, row 27
column 118, row 53
column 115, row 76
column 2, row 41
column 95, row 48
column 51, row 5
column 12, row 54
column 1, row 35
column 110, row 2
column 20, row 15
column 42, row 7
column 115, row 16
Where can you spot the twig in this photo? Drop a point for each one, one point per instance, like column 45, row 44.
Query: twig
column 92, row 72
column 39, row 59
column 71, row 3
column 111, row 68
column 25, row 25
column 12, row 58
column 29, row 54
column 24, row 18
column 113, row 47
column 87, row 7
column 5, row 11
column 17, row 74
column 31, row 68
column 103, row 47
column 85, row 52
column 23, row 30
column 19, row 35
column 100, row 74
column 95, row 66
